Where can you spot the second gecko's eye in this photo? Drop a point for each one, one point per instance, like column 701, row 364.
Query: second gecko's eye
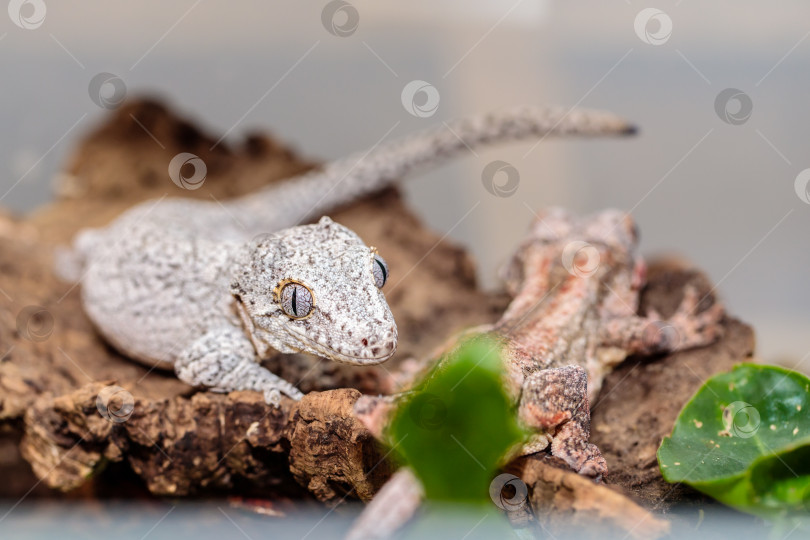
column 380, row 270
column 296, row 299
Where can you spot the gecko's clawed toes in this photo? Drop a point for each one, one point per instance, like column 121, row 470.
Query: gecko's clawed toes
column 710, row 322
column 595, row 465
column 653, row 314
column 538, row 442
column 692, row 300
column 585, row 458
column 690, row 297
column 713, row 315
column 272, row 397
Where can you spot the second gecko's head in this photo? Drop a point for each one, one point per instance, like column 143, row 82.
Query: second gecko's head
column 316, row 289
column 560, row 245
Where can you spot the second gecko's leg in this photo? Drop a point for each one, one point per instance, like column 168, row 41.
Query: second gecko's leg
column 224, row 360
column 651, row 334
column 555, row 401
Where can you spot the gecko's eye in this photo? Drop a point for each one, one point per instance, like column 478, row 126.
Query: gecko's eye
column 296, row 299
column 380, row 270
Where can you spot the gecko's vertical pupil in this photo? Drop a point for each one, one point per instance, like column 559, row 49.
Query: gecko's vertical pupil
column 296, row 300
column 383, row 269
column 380, row 271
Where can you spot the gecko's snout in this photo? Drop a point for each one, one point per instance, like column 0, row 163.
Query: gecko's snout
column 372, row 345
column 385, row 347
column 374, row 349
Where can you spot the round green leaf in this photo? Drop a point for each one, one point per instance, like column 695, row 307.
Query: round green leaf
column 744, row 439
column 457, row 425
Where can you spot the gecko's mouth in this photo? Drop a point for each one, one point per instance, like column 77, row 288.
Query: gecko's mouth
column 314, row 347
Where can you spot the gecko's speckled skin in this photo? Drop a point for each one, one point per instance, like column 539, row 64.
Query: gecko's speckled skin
column 194, row 285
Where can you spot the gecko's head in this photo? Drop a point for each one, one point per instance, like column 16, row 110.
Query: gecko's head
column 614, row 228
column 317, row 289
column 575, row 244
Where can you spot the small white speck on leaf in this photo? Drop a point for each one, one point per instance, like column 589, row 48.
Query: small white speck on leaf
column 795, row 431
column 773, row 427
column 698, row 423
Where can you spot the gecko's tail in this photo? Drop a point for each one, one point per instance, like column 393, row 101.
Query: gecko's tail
column 367, row 172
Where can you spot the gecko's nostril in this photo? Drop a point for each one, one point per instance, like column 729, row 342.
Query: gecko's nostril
column 389, row 346
column 364, row 342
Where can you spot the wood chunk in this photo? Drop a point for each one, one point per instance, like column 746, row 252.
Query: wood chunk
column 331, row 452
column 208, row 443
column 564, row 502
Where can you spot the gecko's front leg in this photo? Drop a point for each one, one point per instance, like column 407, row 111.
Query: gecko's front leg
column 224, row 360
column 555, row 401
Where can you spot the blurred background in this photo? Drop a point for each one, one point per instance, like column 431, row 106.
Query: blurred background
column 719, row 92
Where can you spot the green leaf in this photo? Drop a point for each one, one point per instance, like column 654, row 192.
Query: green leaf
column 744, row 439
column 456, row 427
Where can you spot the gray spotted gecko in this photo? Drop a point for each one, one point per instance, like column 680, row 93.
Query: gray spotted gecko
column 181, row 284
